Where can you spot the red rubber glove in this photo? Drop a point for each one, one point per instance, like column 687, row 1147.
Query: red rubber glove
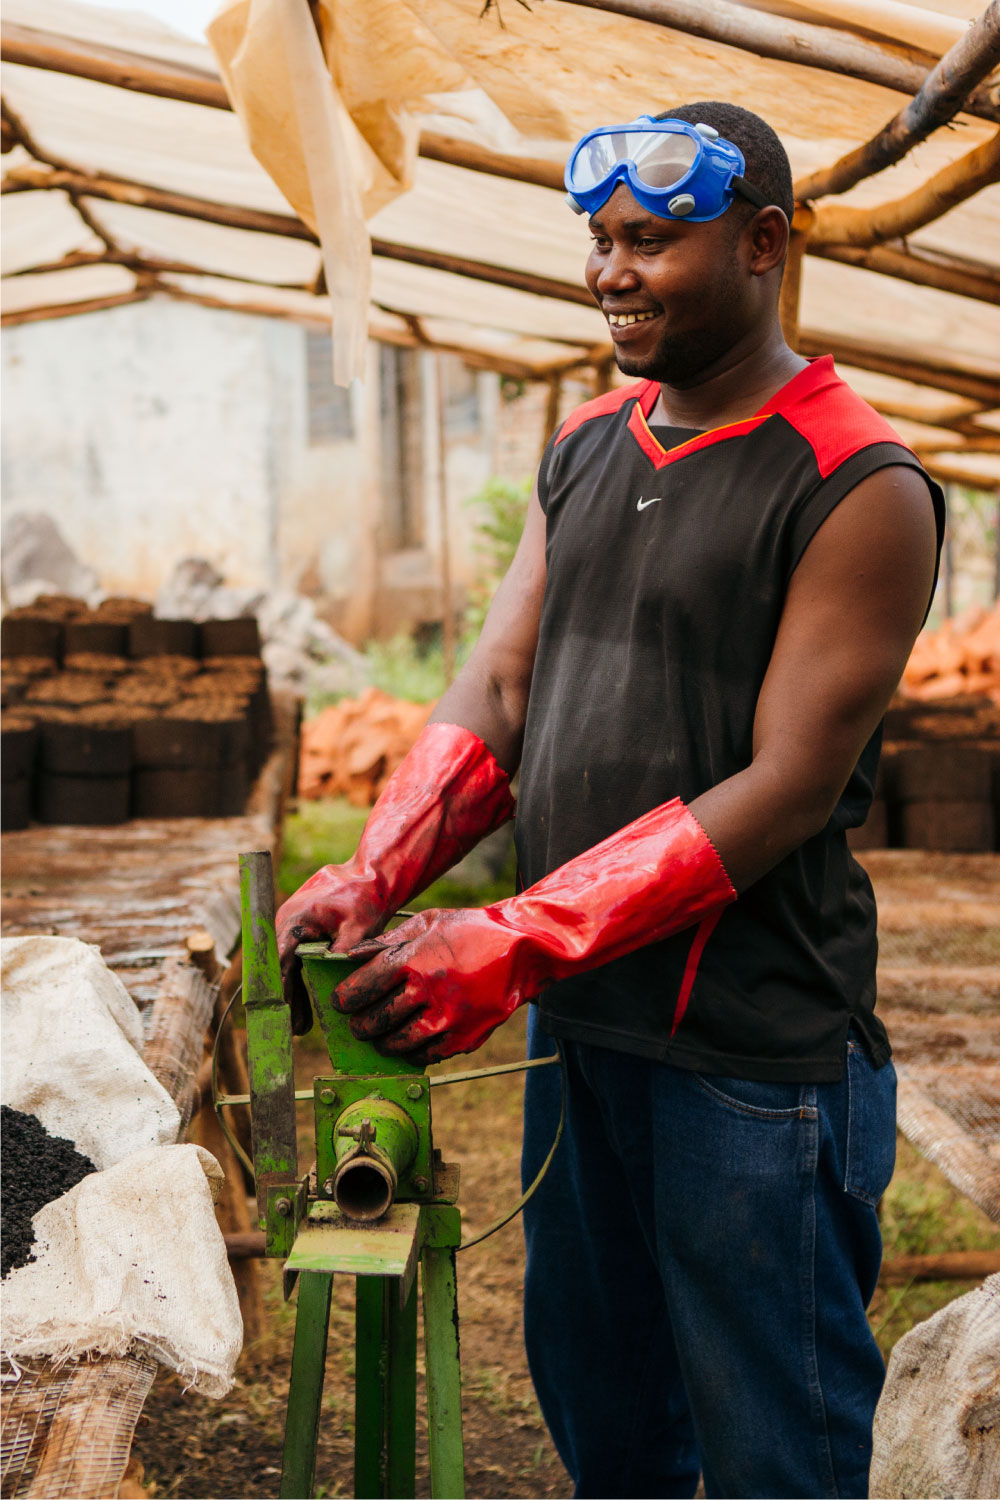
column 444, row 980
column 446, row 795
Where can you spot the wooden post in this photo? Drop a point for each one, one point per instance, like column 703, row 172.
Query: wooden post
column 447, row 600
column 948, row 558
column 836, row 225
column 551, row 410
column 602, row 376
column 791, row 282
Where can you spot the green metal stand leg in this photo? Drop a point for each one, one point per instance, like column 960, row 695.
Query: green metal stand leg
column 444, row 1376
column 401, row 1396
column 385, row 1409
column 305, row 1391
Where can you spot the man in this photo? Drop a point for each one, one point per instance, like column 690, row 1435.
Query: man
column 722, row 572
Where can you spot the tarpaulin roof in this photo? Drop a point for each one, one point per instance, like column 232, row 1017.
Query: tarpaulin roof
column 127, row 175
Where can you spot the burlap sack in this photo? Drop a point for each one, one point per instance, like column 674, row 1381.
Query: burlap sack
column 132, row 1257
column 72, row 1051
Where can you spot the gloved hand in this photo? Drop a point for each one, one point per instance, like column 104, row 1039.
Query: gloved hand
column 445, row 979
column 446, row 795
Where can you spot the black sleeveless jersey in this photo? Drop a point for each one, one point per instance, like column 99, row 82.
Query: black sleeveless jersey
column 667, row 574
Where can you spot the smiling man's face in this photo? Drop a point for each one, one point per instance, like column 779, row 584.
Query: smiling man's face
column 676, row 296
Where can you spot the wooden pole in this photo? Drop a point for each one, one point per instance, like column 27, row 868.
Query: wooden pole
column 151, row 265
column 949, row 87
column 919, row 267
column 447, row 598
column 836, row 225
column 476, row 158
column 886, row 359
column 958, row 442
column 791, row 281
column 70, row 309
column 895, row 20
column 894, row 67
column 948, row 559
column 955, row 474
column 143, row 195
column 602, row 375
column 953, row 1265
column 125, row 70
column 551, row 410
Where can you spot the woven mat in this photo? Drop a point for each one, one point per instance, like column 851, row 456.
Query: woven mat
column 939, row 996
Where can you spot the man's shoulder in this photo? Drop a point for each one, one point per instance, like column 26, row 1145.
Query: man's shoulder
column 605, row 405
column 832, row 418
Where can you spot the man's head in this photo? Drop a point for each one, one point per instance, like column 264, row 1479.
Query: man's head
column 694, row 290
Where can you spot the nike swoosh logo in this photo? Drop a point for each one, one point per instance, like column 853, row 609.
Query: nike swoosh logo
column 642, row 504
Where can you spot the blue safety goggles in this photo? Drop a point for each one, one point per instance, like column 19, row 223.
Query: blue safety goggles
column 675, row 170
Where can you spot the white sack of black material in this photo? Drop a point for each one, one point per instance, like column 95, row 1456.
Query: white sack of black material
column 132, row 1257
column 72, row 1051
column 937, row 1427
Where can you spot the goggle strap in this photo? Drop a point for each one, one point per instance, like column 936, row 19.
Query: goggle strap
column 751, row 194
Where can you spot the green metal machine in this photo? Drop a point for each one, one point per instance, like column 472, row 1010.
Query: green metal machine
column 378, row 1205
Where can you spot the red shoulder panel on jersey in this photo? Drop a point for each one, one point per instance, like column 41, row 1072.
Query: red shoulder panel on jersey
column 833, row 419
column 601, row 406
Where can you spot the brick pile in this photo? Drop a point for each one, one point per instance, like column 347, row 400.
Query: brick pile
column 352, row 748
column 959, row 659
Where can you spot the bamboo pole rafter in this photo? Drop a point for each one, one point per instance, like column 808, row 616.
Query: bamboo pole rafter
column 948, row 88
column 960, row 180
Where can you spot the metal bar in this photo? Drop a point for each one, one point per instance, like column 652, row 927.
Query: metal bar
column 305, row 1388
column 441, row 1354
column 467, row 1077
column 307, row 1095
column 401, row 1397
column 269, row 1031
column 371, row 1357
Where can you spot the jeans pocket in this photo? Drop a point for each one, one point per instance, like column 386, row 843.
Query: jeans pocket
column 871, row 1125
column 763, row 1101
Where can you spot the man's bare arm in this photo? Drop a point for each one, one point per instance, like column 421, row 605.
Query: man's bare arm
column 490, row 694
column 853, row 609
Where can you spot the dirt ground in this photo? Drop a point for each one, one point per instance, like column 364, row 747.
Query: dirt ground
column 198, row 1449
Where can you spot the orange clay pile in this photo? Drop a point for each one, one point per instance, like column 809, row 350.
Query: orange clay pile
column 961, row 658
column 352, row 748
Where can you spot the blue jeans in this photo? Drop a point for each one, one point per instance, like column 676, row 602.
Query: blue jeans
column 699, row 1261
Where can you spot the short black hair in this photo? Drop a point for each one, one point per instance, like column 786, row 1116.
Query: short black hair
column 767, row 168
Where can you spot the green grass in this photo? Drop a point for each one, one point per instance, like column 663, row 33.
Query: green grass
column 327, row 833
column 922, row 1214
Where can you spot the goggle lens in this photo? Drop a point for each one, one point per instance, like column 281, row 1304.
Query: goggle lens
column 660, row 159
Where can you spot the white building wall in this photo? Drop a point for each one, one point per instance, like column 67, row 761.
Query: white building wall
column 153, row 432
column 160, row 431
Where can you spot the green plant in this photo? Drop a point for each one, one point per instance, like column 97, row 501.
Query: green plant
column 502, row 505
